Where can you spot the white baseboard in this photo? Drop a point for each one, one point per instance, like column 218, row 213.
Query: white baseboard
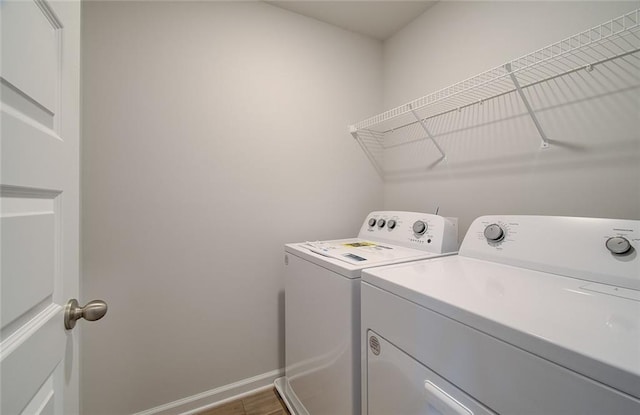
column 217, row 396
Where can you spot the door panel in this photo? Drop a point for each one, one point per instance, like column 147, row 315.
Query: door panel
column 28, row 262
column 42, row 403
column 31, row 67
column 28, row 364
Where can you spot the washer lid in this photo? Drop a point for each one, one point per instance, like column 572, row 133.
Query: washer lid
column 349, row 256
column 590, row 328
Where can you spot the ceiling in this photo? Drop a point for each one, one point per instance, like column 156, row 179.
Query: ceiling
column 377, row 19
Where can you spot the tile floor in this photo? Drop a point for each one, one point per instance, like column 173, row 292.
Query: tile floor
column 261, row 403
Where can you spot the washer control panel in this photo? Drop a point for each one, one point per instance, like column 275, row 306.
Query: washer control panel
column 422, row 231
column 594, row 249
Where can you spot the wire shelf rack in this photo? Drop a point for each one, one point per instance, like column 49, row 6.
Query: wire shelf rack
column 407, row 123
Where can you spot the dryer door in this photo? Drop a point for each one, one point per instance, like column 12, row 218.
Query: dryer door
column 398, row 384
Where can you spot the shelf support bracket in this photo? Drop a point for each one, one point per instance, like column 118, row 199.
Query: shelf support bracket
column 423, row 124
column 525, row 101
column 354, row 132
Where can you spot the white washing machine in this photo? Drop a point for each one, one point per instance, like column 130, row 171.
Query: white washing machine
column 322, row 305
column 536, row 315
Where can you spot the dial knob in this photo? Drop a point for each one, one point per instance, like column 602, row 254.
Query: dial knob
column 372, row 222
column 419, row 227
column 391, row 224
column 381, row 223
column 618, row 245
column 494, row 233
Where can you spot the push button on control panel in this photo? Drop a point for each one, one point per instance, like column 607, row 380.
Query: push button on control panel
column 618, row 245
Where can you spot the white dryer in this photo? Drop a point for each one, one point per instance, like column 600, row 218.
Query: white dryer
column 536, row 315
column 322, row 304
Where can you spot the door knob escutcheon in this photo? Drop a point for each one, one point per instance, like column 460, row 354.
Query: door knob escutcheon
column 94, row 310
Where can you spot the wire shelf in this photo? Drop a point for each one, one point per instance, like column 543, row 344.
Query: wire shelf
column 617, row 38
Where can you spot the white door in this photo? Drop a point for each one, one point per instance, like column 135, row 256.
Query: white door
column 39, row 182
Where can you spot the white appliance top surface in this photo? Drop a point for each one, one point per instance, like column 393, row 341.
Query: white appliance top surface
column 589, row 327
column 349, row 256
column 385, row 237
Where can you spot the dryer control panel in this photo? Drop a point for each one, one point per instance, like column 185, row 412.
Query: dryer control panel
column 594, row 249
column 416, row 230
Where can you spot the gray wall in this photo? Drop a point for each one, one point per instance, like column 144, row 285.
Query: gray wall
column 213, row 133
column 494, row 163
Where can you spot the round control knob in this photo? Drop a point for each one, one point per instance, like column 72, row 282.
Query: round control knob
column 419, row 227
column 381, row 223
column 391, row 224
column 618, row 245
column 494, row 233
column 372, row 222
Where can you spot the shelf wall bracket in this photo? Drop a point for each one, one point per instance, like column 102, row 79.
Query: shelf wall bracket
column 423, row 124
column 525, row 101
column 354, row 132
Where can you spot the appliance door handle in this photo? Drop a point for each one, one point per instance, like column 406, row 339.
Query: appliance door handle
column 443, row 402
